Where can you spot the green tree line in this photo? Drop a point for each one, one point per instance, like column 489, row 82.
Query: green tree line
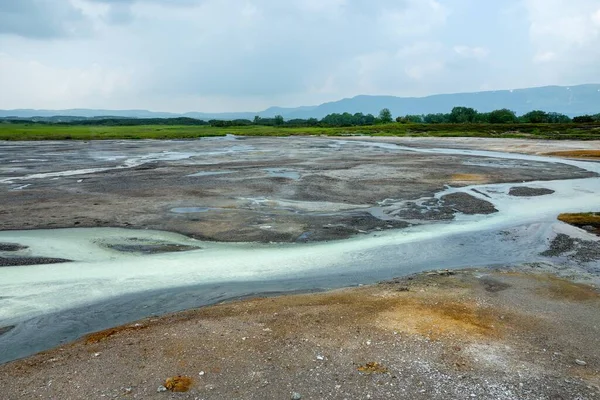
column 458, row 115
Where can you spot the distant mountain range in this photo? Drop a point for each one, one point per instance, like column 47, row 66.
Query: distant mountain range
column 569, row 100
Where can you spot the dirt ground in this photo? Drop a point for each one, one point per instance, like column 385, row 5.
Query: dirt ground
column 503, row 334
column 249, row 189
column 524, row 146
column 517, row 332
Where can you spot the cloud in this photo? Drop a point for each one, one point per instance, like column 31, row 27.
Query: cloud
column 30, row 82
column 544, row 57
column 120, row 12
column 565, row 37
column 596, row 17
column 471, row 52
column 223, row 55
column 41, row 19
column 417, row 17
column 268, row 49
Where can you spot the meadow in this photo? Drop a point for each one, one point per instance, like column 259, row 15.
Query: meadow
column 43, row 131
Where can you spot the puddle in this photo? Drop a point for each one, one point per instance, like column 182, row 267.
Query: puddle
column 506, row 164
column 209, row 173
column 55, row 174
column 282, row 173
column 131, row 162
column 231, row 150
column 301, row 206
column 21, row 187
column 227, row 138
column 380, row 213
column 190, row 210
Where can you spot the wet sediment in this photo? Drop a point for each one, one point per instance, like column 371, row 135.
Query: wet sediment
column 523, row 191
column 24, row 261
column 250, row 190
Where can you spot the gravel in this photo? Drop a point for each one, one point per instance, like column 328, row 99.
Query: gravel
column 523, row 191
column 11, row 247
column 22, row 261
column 151, row 248
column 578, row 250
column 467, row 204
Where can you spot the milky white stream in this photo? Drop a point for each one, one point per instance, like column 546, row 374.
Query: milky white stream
column 99, row 273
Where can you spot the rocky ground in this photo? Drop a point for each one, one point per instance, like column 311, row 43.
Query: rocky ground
column 523, row 191
column 250, row 189
column 489, row 334
column 7, row 259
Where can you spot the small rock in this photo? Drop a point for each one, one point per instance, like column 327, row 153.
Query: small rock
column 178, row 383
column 580, row 362
column 372, row 368
column 161, row 388
column 201, row 373
column 320, row 357
column 296, row 396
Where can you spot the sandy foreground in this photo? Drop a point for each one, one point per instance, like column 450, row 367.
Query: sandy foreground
column 490, row 334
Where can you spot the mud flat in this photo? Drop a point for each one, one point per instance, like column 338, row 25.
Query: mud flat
column 248, row 189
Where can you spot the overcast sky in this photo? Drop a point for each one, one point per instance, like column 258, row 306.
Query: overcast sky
column 246, row 55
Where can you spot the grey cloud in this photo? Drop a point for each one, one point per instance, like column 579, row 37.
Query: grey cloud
column 169, row 3
column 40, row 19
column 283, row 51
column 120, row 14
column 231, row 53
column 120, row 11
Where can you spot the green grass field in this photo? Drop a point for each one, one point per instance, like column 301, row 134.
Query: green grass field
column 35, row 131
